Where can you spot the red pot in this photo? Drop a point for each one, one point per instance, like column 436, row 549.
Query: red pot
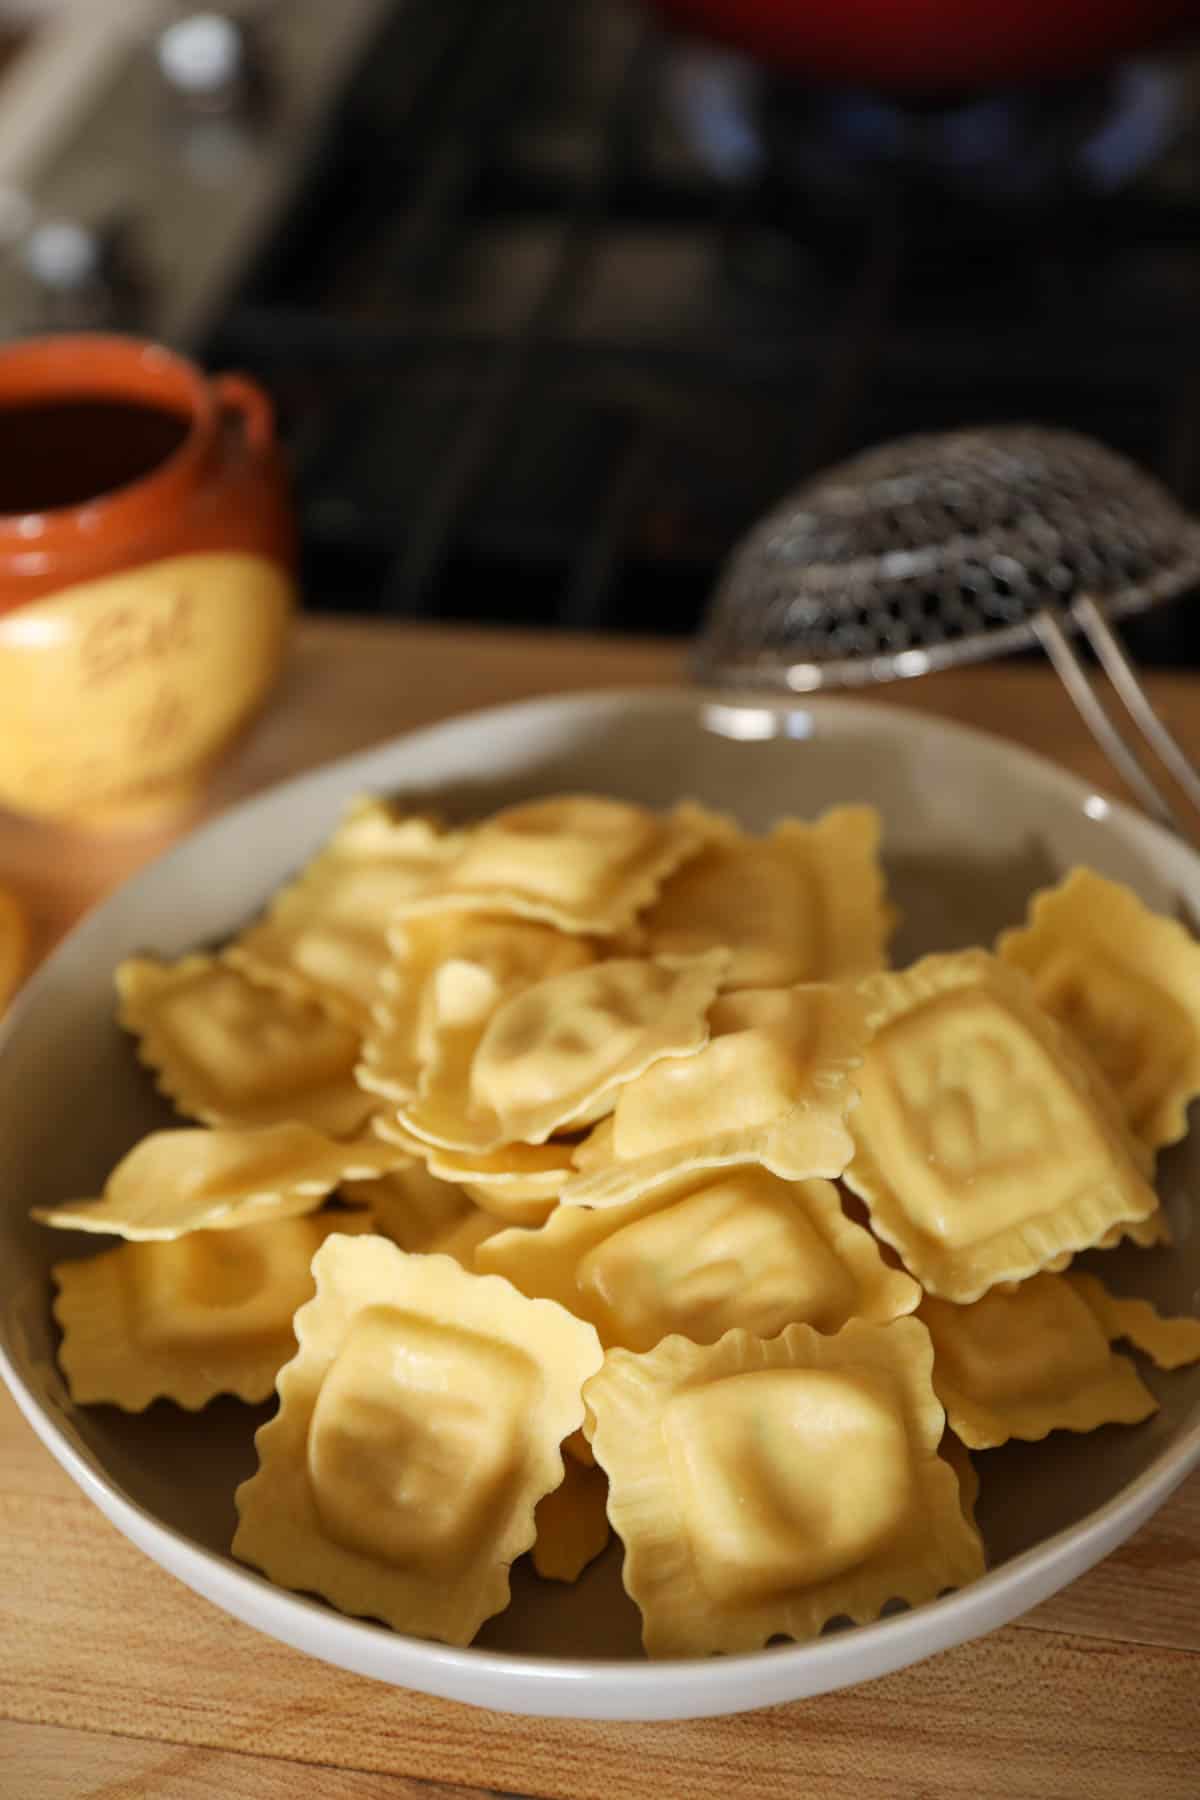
column 934, row 46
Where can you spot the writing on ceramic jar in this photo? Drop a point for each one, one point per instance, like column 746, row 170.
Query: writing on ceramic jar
column 123, row 636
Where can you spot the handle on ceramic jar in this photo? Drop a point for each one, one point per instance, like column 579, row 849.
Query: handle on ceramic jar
column 238, row 395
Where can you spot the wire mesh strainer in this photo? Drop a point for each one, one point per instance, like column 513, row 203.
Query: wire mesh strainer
column 952, row 548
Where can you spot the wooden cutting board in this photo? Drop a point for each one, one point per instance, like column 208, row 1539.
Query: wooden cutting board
column 117, row 1683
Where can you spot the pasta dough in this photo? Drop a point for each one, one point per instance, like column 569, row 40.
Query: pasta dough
column 985, row 1144
column 1126, row 983
column 229, row 1050
column 774, row 1086
column 419, row 1425
column 578, row 861
column 1020, row 1364
column 762, row 1488
column 517, row 1068
column 175, row 1182
column 188, row 1318
column 325, row 935
column 738, row 1247
column 805, row 903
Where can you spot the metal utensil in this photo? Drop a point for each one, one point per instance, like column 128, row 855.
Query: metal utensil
column 956, row 547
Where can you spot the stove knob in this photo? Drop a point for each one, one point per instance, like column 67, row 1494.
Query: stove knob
column 62, row 256
column 208, row 64
column 81, row 274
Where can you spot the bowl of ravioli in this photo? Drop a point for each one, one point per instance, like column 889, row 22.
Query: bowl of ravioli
column 622, row 1206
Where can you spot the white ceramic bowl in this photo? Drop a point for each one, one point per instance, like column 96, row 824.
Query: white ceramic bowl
column 972, row 827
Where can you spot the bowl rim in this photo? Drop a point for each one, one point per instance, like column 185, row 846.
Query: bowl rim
column 674, row 1688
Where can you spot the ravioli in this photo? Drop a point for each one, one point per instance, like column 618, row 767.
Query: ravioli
column 764, row 1487
column 325, row 934
column 774, row 1086
column 419, row 1425
column 731, row 1248
column 1027, row 1362
column 519, row 1067
column 188, row 1318
column 514, row 953
column 1126, row 983
column 986, row 1144
column 229, row 1050
column 805, row 903
column 578, row 861
column 174, row 1182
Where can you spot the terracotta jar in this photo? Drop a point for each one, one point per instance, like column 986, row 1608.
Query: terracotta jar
column 146, row 573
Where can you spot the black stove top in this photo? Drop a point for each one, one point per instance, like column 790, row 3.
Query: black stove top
column 570, row 304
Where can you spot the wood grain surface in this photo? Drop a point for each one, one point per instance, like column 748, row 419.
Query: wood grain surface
column 116, row 1682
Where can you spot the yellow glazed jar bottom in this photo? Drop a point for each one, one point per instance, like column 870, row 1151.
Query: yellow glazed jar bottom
column 118, row 695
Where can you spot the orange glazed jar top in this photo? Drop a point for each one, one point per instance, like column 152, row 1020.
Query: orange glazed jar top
column 146, row 573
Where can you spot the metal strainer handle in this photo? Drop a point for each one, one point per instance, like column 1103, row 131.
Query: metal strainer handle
column 959, row 547
column 1156, row 737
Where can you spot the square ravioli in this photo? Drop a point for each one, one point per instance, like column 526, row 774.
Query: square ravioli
column 174, row 1182
column 517, row 1067
column 774, row 1086
column 1126, row 983
column 737, row 1247
column 579, row 861
column 229, row 1050
column 805, row 903
column 764, row 1487
column 514, row 953
column 326, row 933
column 419, row 1425
column 189, row 1318
column 986, row 1142
column 1029, row 1361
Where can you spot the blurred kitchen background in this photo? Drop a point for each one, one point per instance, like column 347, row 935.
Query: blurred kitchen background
column 554, row 298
